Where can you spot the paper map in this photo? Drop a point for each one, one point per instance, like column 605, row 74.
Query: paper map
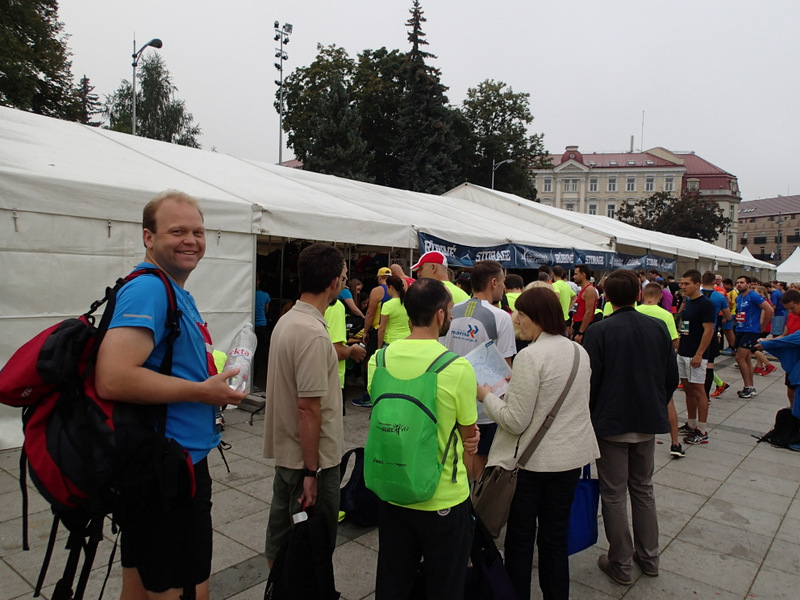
column 490, row 368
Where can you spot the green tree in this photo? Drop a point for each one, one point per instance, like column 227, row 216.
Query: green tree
column 427, row 145
column 89, row 104
column 500, row 118
column 35, row 71
column 336, row 147
column 159, row 115
column 692, row 215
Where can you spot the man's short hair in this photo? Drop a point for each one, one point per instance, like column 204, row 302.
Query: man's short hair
column 151, row 208
column 652, row 290
column 727, row 281
column 622, row 287
column 543, row 277
column 587, row 272
column 693, row 275
column 542, row 307
column 482, row 273
column 317, row 266
column 790, row 296
column 559, row 271
column 747, row 278
column 514, row 281
column 424, row 299
column 708, row 278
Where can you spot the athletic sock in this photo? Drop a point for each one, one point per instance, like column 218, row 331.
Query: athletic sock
column 701, row 427
column 717, row 380
column 709, row 380
column 692, row 423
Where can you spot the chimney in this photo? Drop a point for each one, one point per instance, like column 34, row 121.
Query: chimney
column 631, row 144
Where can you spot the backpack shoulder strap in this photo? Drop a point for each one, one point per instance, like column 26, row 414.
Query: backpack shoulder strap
column 442, row 361
column 380, row 358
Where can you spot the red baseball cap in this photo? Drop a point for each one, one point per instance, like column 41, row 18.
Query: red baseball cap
column 433, row 257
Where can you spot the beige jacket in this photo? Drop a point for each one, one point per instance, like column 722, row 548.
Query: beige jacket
column 540, row 373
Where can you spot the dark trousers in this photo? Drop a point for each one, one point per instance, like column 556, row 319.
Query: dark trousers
column 442, row 538
column 546, row 499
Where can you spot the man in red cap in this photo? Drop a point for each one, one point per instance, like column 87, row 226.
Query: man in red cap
column 433, row 264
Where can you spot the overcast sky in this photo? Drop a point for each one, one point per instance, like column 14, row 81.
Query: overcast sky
column 718, row 77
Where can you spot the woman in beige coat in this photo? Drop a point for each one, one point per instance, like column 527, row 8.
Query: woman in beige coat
column 546, row 483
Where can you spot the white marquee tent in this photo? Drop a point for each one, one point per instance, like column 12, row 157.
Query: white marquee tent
column 789, row 270
column 620, row 236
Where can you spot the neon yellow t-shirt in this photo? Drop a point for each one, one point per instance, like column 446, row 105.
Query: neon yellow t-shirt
column 456, row 292
column 397, row 321
column 455, row 403
column 565, row 294
column 654, row 310
column 337, row 330
column 512, row 299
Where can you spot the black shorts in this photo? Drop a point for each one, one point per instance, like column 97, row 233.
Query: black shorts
column 747, row 340
column 170, row 546
column 713, row 348
column 487, row 436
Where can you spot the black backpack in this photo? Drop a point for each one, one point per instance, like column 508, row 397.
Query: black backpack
column 786, row 431
column 83, row 452
column 360, row 505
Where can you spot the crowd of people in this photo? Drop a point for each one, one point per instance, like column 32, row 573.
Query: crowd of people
column 631, row 339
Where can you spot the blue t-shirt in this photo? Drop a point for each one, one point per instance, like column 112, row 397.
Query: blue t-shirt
column 143, row 303
column 719, row 301
column 262, row 299
column 345, row 294
column 780, row 309
column 748, row 312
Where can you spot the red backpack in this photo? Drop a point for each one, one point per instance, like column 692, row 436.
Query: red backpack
column 83, row 452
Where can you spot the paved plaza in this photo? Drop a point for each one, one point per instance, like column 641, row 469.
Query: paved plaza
column 729, row 516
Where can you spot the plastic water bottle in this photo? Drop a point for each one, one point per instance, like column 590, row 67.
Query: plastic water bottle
column 240, row 357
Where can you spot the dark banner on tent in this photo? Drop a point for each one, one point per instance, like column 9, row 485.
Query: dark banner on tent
column 518, row 256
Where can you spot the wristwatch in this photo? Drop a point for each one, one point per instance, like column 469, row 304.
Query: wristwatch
column 312, row 472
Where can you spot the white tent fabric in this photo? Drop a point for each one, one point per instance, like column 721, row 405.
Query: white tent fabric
column 789, row 270
column 745, row 252
column 616, row 232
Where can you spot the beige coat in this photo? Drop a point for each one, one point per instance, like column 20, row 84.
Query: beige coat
column 540, row 373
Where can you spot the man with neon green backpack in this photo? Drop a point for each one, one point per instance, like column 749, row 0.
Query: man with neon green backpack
column 418, row 454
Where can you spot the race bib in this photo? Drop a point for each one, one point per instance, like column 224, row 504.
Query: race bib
column 740, row 317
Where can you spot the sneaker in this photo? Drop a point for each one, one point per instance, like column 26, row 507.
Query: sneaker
column 363, row 401
column 696, row 438
column 680, row 386
column 747, row 392
column 685, row 429
column 720, row 390
column 729, row 352
column 676, row 451
column 759, row 370
column 769, row 369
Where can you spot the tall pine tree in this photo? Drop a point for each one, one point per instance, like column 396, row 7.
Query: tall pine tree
column 427, row 144
column 89, row 104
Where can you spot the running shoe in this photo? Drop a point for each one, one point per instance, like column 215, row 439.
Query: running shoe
column 769, row 369
column 676, row 451
column 728, row 352
column 720, row 390
column 696, row 438
column 680, row 386
column 685, row 429
column 747, row 392
column 363, row 401
column 759, row 370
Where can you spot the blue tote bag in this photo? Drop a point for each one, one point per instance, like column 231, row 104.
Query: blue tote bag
column 582, row 530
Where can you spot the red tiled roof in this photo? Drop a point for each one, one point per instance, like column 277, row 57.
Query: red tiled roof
column 604, row 160
column 700, row 166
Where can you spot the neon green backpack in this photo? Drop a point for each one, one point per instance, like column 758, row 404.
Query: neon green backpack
column 401, row 456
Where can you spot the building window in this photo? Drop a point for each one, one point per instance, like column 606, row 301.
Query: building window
column 692, row 185
column 612, row 184
column 611, row 211
column 649, row 184
column 593, row 209
column 630, row 184
column 570, row 185
column 593, row 185
column 548, row 185
column 669, row 184
column 762, row 252
column 570, row 207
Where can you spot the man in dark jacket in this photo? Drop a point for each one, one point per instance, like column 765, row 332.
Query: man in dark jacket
column 634, row 372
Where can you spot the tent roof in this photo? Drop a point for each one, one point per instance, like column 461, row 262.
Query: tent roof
column 614, row 231
column 789, row 270
column 58, row 167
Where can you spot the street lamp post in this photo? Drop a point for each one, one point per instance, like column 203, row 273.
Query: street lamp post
column 155, row 43
column 496, row 166
column 282, row 37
